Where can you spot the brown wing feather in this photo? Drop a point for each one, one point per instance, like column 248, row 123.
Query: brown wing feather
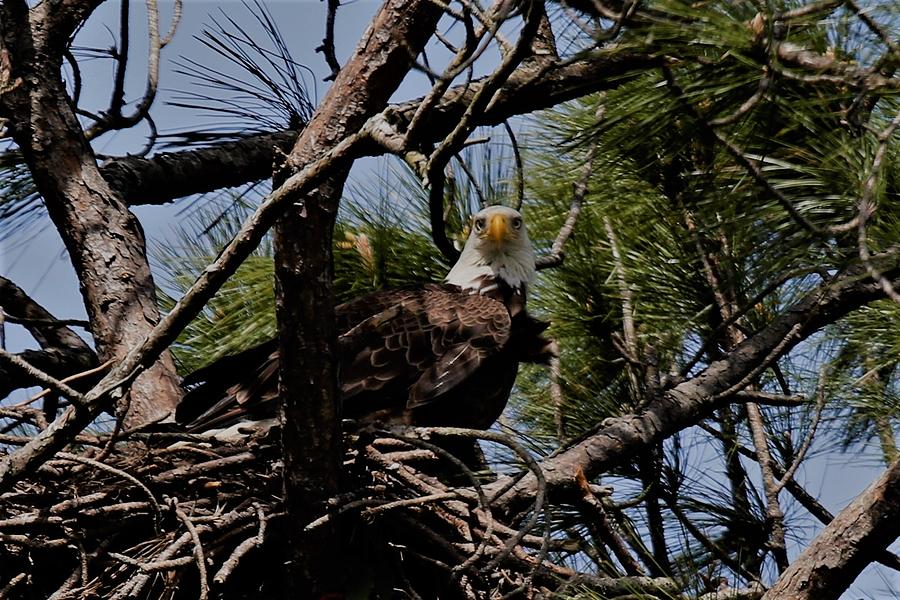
column 431, row 341
column 250, row 393
column 408, row 346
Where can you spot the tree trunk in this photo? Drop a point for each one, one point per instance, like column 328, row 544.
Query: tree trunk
column 103, row 238
column 304, row 294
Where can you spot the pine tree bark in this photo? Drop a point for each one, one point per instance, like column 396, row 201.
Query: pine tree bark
column 305, row 297
column 852, row 541
column 103, row 238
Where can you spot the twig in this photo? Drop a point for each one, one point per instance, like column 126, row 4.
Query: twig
column 243, row 548
column 630, row 7
column 457, row 65
column 483, row 503
column 530, row 462
column 51, row 382
column 191, row 470
column 764, row 83
column 78, row 502
column 628, row 327
column 556, row 394
column 580, row 189
column 198, row 552
column 482, row 200
column 771, row 399
column 774, row 514
column 604, row 530
column 736, row 315
column 176, row 19
column 4, row 592
column 32, row 541
column 65, row 590
column 70, row 378
column 807, row 442
column 520, row 168
column 153, row 567
column 327, row 46
column 813, row 8
column 436, row 216
column 47, row 322
column 408, row 502
column 762, row 366
column 867, row 207
column 119, row 472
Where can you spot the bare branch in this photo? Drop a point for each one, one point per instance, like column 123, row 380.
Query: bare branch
column 243, row 548
column 198, row 552
column 327, row 47
column 579, row 191
column 36, row 374
column 867, row 207
column 807, row 441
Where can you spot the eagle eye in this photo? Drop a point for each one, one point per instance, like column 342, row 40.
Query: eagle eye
column 479, row 223
column 517, row 222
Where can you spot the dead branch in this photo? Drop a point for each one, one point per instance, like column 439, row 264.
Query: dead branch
column 37, row 375
column 580, row 189
column 327, row 46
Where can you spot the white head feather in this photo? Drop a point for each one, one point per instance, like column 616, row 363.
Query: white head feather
column 498, row 248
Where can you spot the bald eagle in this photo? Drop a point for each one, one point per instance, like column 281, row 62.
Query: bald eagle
column 436, row 355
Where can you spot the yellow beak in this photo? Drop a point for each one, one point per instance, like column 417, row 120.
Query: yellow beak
column 498, row 230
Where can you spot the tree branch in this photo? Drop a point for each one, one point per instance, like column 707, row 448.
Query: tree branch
column 846, row 546
column 535, row 85
column 689, row 402
column 226, row 164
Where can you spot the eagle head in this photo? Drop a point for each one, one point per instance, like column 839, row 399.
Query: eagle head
column 498, row 248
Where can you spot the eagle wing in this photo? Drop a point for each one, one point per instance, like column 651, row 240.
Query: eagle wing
column 233, row 387
column 423, row 346
column 398, row 349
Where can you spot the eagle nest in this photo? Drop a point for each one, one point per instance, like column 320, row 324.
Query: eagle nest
column 178, row 516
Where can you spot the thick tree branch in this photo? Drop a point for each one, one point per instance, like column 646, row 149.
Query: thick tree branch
column 686, row 404
column 311, row 436
column 19, row 307
column 63, row 351
column 534, row 85
column 171, row 175
column 43, row 368
column 847, row 545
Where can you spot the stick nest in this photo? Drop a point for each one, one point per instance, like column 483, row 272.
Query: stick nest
column 171, row 516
